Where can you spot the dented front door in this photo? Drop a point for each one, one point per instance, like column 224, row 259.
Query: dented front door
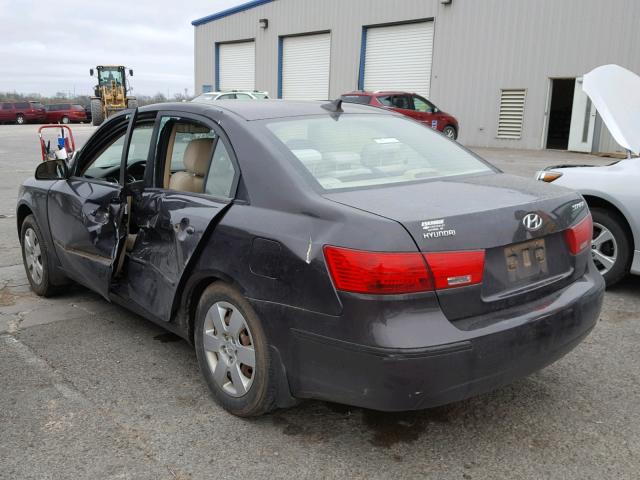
column 87, row 220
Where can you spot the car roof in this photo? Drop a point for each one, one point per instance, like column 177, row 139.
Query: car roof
column 264, row 109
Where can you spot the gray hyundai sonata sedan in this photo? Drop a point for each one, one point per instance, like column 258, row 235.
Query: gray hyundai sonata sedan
column 317, row 250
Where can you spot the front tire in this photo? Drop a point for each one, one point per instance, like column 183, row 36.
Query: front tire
column 97, row 115
column 20, row 120
column 450, row 132
column 610, row 247
column 35, row 257
column 233, row 352
column 132, row 103
column 65, row 120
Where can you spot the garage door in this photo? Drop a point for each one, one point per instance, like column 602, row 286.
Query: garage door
column 305, row 67
column 236, row 66
column 399, row 58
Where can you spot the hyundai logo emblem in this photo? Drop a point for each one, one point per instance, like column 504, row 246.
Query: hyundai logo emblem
column 532, row 222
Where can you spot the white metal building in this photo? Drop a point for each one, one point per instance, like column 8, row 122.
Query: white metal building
column 509, row 70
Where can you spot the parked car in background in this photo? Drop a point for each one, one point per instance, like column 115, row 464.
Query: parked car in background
column 317, row 250
column 411, row 105
column 232, row 95
column 611, row 192
column 65, row 113
column 22, row 112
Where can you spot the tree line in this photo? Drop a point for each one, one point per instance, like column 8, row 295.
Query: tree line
column 84, row 100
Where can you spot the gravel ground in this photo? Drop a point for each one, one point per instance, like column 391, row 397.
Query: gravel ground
column 90, row 390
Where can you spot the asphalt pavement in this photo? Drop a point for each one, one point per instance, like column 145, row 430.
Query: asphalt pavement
column 89, row 390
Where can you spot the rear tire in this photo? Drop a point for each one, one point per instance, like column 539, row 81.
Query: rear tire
column 227, row 334
column 611, row 247
column 35, row 257
column 65, row 120
column 450, row 132
column 97, row 115
column 20, row 120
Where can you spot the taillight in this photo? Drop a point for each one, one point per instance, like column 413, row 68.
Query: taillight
column 579, row 236
column 456, row 269
column 395, row 273
column 377, row 272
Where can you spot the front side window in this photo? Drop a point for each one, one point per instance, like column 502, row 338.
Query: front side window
column 22, row 105
column 7, row 106
column 357, row 151
column 423, row 105
column 106, row 164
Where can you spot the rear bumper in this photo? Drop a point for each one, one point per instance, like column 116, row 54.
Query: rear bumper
column 394, row 379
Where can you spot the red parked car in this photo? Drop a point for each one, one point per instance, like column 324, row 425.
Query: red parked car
column 411, row 105
column 65, row 113
column 22, row 112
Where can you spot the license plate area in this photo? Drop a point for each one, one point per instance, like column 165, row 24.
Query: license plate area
column 525, row 261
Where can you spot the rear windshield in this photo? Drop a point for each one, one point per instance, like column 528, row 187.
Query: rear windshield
column 77, row 107
column 36, row 105
column 260, row 95
column 362, row 99
column 358, row 151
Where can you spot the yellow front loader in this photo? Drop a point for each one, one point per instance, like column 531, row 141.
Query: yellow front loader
column 110, row 94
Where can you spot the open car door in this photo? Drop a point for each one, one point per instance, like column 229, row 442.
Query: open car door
column 88, row 214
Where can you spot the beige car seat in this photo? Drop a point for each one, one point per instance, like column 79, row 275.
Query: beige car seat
column 197, row 157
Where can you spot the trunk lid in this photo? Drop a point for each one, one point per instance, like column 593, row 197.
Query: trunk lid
column 485, row 212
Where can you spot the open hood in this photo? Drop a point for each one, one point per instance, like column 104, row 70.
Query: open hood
column 615, row 92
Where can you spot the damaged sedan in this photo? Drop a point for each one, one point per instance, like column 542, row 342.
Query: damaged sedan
column 317, row 250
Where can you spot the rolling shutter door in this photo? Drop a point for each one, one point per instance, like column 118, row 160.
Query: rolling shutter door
column 237, row 64
column 305, row 67
column 399, row 58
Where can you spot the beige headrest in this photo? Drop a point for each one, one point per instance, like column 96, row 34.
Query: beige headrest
column 197, row 156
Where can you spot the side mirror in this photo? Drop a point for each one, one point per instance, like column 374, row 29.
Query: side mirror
column 130, row 73
column 52, row 170
column 91, row 72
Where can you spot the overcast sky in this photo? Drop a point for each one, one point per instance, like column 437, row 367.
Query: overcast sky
column 47, row 46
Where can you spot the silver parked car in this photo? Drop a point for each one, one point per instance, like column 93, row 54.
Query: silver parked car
column 613, row 191
column 232, row 95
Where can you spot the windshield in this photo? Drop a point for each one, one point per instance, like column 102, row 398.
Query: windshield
column 357, row 151
column 107, row 75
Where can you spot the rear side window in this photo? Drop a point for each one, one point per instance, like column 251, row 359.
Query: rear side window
column 361, row 99
column 357, row 151
column 222, row 172
column 396, row 101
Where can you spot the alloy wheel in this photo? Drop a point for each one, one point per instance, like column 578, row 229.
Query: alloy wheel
column 33, row 256
column 229, row 349
column 604, row 248
column 19, row 119
column 450, row 133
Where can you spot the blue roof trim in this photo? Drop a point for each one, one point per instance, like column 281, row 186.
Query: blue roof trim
column 229, row 11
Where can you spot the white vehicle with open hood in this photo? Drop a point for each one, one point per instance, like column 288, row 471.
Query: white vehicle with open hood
column 613, row 191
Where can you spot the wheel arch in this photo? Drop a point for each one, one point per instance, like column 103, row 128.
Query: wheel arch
column 198, row 283
column 23, row 212
column 599, row 202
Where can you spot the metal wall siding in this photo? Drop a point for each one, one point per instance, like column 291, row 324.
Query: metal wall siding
column 480, row 47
